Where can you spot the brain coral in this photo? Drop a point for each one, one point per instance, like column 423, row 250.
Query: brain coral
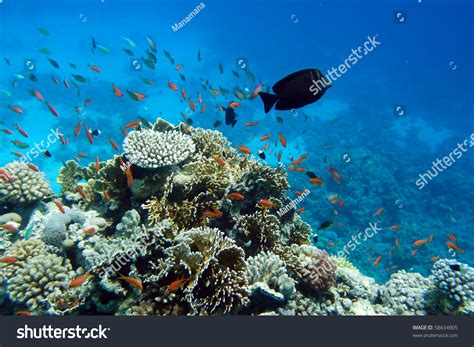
column 455, row 279
column 319, row 273
column 26, row 187
column 148, row 148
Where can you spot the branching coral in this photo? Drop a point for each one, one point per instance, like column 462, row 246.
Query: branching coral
column 148, row 148
column 214, row 269
column 25, row 187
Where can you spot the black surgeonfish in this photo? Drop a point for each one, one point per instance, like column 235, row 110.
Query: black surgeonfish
column 230, row 116
column 299, row 89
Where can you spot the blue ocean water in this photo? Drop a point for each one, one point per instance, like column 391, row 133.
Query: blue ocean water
column 381, row 124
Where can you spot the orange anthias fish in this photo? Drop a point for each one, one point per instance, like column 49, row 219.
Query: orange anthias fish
column 80, row 190
column 213, row 214
column 23, row 313
column 234, row 104
column 128, row 172
column 395, row 227
column 133, row 124
column 215, row 92
column 379, row 211
column 435, row 259
column 396, row 243
column 300, row 169
column 113, row 144
column 265, row 137
column 316, row 181
column 51, row 108
column 13, row 227
column 59, row 206
column 266, row 203
column 97, row 163
column 176, row 284
column 244, row 149
column 300, row 211
column 282, row 140
column 414, row 252
column 179, row 67
column 106, row 195
column 16, row 109
column 135, row 282
column 124, row 132
column 219, row 160
column 377, row 261
column 117, row 91
column 251, row 124
column 235, row 196
column 199, row 97
column 172, row 86
column 66, row 84
column 8, row 260
column 78, row 281
column 89, row 135
column 419, row 243
column 5, row 175
column 255, row 92
column 90, row 231
column 453, row 246
column 183, row 93
column 38, row 95
column 21, row 131
column 192, row 105
column 77, row 129
column 336, row 176
column 94, row 68
column 452, row 237
column 137, row 96
column 203, row 107
column 33, row 167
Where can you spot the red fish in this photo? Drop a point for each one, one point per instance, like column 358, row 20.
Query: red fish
column 199, row 98
column 135, row 282
column 106, row 196
column 113, row 144
column 265, row 137
column 6, row 131
column 419, row 243
column 8, row 260
column 33, row 167
column 453, row 246
column 244, row 149
column 266, row 203
column 90, row 231
column 203, row 107
column 219, row 160
column 316, row 181
column 435, row 259
column 379, row 211
column 124, row 132
column 77, row 129
column 377, row 261
column 255, row 92
column 94, row 68
column 21, row 131
column 82, row 155
column 55, row 80
column 60, row 206
column 97, row 163
column 179, row 67
column 133, row 124
column 117, row 91
column 251, row 124
column 18, row 154
column 87, row 102
column 81, row 192
column 176, row 284
column 89, row 135
column 215, row 92
column 172, row 86
column 16, row 109
column 66, row 84
column 10, row 227
column 78, row 281
column 452, row 237
column 37, row 94
column 336, row 176
column 235, row 196
column 129, row 176
column 183, row 93
column 192, row 105
column 51, row 108
column 282, row 140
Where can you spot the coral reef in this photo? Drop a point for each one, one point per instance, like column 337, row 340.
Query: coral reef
column 183, row 224
column 148, row 148
column 25, row 187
